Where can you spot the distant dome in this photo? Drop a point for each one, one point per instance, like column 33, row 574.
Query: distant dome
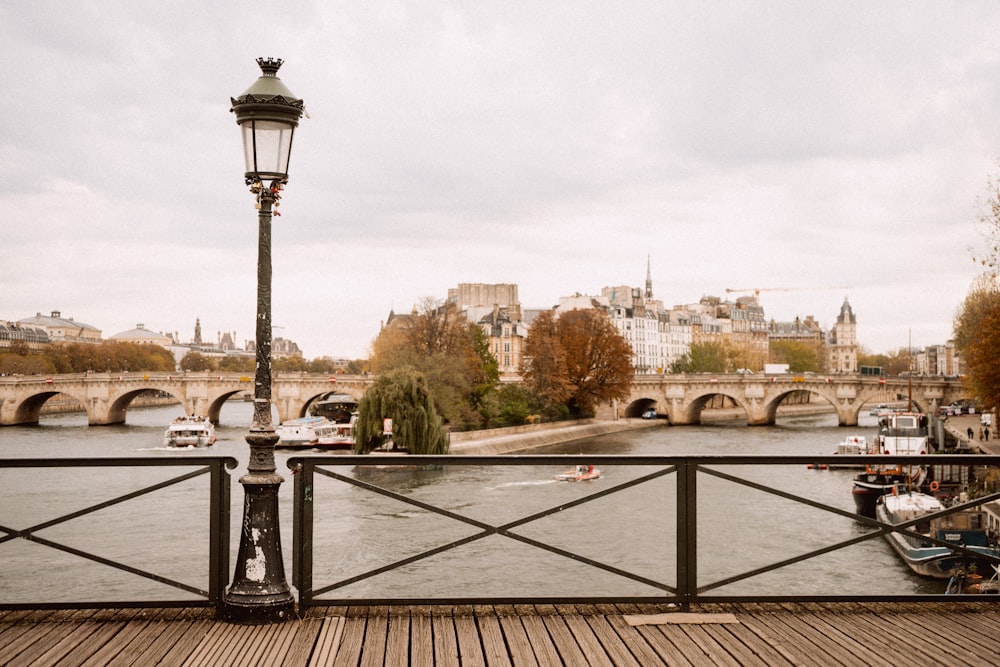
column 142, row 336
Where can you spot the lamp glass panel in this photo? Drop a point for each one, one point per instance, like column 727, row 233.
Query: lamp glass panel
column 266, row 147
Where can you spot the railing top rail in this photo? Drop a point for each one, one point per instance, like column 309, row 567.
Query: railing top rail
column 228, row 461
column 562, row 459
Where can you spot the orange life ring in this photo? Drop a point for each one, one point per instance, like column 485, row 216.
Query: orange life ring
column 935, row 486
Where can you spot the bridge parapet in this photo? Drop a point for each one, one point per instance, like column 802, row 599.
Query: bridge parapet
column 107, row 396
column 683, row 397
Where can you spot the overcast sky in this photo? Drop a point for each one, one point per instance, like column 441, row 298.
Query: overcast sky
column 814, row 150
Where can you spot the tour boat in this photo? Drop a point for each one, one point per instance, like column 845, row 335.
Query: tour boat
column 315, row 432
column 902, row 434
column 965, row 528
column 334, row 406
column 578, row 474
column 189, row 432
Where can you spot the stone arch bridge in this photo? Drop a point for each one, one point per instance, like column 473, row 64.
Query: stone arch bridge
column 681, row 398
column 107, row 396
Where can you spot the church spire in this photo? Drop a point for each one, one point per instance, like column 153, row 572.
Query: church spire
column 649, row 279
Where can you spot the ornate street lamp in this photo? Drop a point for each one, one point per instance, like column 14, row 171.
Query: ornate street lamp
column 268, row 114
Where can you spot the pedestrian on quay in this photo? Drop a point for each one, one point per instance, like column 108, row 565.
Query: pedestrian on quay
column 980, row 432
column 987, row 432
column 970, row 433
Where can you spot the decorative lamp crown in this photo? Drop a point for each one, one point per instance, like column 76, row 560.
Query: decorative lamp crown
column 268, row 113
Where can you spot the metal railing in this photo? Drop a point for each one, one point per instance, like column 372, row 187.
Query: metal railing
column 692, row 493
column 216, row 467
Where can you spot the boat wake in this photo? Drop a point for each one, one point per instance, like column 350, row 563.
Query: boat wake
column 531, row 482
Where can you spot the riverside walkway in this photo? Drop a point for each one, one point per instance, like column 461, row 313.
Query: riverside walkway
column 747, row 634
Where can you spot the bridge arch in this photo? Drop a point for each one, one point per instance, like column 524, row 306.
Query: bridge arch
column 638, row 406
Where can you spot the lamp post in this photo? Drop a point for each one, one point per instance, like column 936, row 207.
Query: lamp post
column 267, row 114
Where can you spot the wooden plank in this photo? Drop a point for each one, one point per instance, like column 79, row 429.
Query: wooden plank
column 804, row 632
column 588, row 641
column 470, row 648
column 829, row 626
column 540, row 641
column 617, row 649
column 494, row 647
column 328, row 641
column 421, row 639
column 170, row 633
column 25, row 634
column 940, row 632
column 373, row 650
column 30, row 654
column 781, row 638
column 397, row 645
column 518, row 645
column 352, row 639
column 445, row 642
column 56, row 653
column 682, row 643
column 641, row 649
column 565, row 643
column 757, row 649
column 115, row 644
column 186, row 644
column 218, row 645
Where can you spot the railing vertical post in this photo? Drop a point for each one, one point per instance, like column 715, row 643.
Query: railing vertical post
column 687, row 531
column 218, row 531
column 302, row 531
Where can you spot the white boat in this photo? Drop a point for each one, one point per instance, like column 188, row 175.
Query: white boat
column 189, row 432
column 964, row 527
column 336, row 435
column 315, row 432
column 852, row 445
column 899, row 433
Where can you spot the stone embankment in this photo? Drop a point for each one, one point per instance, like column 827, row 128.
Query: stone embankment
column 519, row 438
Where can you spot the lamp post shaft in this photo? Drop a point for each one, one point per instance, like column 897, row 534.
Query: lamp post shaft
column 259, row 593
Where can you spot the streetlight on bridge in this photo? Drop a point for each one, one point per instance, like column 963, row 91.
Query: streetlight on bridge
column 267, row 114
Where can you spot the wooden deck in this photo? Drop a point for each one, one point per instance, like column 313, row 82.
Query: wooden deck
column 761, row 634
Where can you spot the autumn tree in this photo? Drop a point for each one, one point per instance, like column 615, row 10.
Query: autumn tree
column 196, row 361
column 402, row 395
column 577, row 359
column 989, row 226
column 707, row 357
column 977, row 339
column 452, row 354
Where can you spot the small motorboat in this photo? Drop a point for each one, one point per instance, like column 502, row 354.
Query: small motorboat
column 579, row 474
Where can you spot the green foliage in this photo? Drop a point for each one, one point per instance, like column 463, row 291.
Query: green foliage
column 196, row 361
column 238, row 363
column 800, row 357
column 403, row 396
column 708, row 357
column 452, row 354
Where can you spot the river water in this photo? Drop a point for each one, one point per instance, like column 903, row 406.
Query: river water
column 739, row 529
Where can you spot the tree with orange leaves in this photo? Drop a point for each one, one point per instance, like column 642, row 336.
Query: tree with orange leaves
column 577, row 359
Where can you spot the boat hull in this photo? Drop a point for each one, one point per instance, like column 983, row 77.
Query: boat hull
column 931, row 560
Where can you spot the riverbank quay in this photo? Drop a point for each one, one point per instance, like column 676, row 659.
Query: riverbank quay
column 520, row 438
column 640, row 635
column 959, row 426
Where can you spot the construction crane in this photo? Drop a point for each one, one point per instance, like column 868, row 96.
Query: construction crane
column 757, row 290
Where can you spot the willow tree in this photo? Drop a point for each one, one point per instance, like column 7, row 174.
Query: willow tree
column 402, row 396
